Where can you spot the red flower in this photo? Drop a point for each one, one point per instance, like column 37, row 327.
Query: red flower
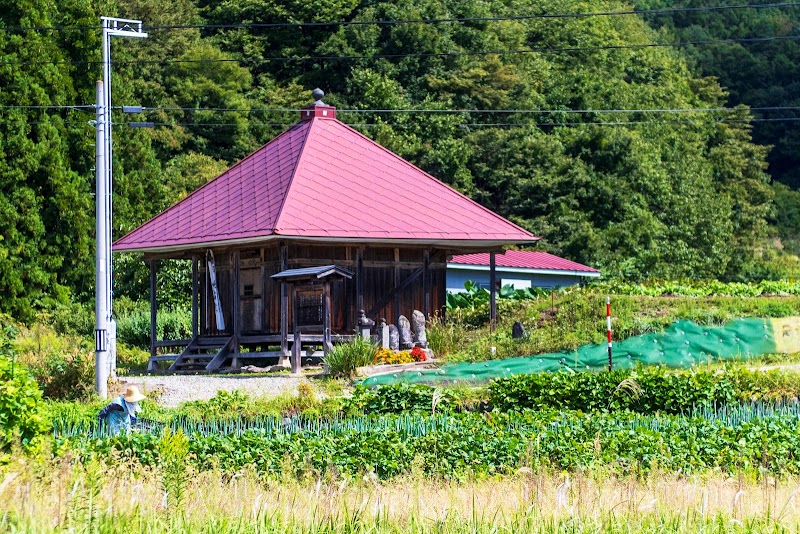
column 418, row 354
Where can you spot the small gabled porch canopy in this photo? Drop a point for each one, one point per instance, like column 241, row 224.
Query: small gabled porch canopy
column 306, row 285
column 312, row 273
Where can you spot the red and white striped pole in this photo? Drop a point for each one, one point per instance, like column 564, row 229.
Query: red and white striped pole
column 608, row 327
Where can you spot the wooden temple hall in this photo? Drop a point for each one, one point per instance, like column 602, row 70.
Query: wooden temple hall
column 291, row 243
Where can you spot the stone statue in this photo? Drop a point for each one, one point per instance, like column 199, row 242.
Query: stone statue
column 420, row 337
column 394, row 337
column 517, row 331
column 383, row 333
column 406, row 339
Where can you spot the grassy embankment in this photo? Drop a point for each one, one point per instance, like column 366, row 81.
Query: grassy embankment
column 566, row 320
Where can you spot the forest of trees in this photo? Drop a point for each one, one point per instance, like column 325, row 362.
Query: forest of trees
column 636, row 192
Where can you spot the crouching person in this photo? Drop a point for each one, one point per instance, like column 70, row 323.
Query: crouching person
column 120, row 413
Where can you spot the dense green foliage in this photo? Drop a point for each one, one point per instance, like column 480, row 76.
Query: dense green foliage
column 644, row 198
column 646, row 390
column 479, row 444
column 400, row 398
column 21, row 407
column 756, row 74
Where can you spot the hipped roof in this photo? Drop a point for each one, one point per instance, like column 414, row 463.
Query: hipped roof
column 323, row 181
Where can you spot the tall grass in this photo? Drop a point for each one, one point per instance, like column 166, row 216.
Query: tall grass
column 343, row 360
column 113, row 497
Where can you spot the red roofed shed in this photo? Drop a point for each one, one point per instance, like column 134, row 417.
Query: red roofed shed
column 319, row 194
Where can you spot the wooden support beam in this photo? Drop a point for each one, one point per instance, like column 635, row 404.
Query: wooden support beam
column 284, row 252
column 395, row 292
column 204, row 297
column 395, row 284
column 327, row 344
column 492, row 292
column 219, row 358
column 195, row 260
column 359, row 279
column 153, row 307
column 264, row 281
column 426, row 283
column 296, row 336
column 236, row 314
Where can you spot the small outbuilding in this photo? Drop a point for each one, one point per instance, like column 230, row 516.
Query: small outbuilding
column 319, row 196
column 518, row 268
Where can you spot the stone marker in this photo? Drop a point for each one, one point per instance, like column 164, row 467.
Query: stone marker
column 383, row 333
column 365, row 325
column 406, row 339
column 394, row 338
column 420, row 337
column 517, row 331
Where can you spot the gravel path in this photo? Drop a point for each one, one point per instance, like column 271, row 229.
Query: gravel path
column 169, row 391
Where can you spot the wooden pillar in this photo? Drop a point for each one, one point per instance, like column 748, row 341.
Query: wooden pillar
column 153, row 307
column 359, row 279
column 327, row 344
column 264, row 281
column 396, row 284
column 492, row 292
column 284, row 252
column 296, row 341
column 426, row 283
column 236, row 312
column 204, row 299
column 195, row 261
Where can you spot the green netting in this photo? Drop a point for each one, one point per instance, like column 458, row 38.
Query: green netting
column 683, row 344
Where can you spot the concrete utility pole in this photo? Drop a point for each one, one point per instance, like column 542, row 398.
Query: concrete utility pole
column 101, row 261
column 105, row 327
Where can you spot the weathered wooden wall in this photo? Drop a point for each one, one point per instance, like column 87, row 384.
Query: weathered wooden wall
column 384, row 269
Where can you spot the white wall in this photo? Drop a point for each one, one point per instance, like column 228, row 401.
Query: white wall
column 457, row 277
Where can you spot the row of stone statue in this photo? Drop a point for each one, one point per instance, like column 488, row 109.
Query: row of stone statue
column 400, row 337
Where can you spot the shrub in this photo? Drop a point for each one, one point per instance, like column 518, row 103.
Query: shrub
column 343, row 360
column 62, row 365
column 398, row 398
column 133, row 323
column 643, row 390
column 21, row 405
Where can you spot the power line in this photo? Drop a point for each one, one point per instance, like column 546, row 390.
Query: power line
column 496, row 124
column 76, row 107
column 133, row 124
column 463, row 111
column 665, row 11
column 549, row 50
column 83, row 107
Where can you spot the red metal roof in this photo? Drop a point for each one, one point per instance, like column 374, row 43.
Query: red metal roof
column 523, row 259
column 323, row 180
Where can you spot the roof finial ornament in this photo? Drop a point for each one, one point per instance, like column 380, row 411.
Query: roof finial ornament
column 317, row 95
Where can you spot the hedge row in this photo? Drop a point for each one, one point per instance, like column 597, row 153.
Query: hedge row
column 643, row 390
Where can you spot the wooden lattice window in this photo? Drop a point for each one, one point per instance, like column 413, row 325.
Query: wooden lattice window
column 309, row 308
